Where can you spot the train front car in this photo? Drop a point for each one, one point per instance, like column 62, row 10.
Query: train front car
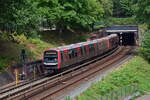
column 51, row 61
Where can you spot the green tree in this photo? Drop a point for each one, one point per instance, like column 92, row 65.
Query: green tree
column 74, row 14
column 123, row 8
column 143, row 11
column 107, row 6
column 26, row 17
column 19, row 15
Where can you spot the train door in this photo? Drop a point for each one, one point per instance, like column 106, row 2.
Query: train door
column 71, row 56
column 104, row 45
column 108, row 43
column 79, row 56
column 87, row 51
column 62, row 59
column 91, row 50
column 66, row 58
column 95, row 48
column 84, row 53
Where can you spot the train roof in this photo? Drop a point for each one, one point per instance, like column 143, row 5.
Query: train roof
column 71, row 46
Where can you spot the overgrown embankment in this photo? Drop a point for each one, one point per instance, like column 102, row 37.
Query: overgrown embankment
column 10, row 50
column 136, row 71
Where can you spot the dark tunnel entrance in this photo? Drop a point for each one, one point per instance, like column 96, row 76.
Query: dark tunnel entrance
column 128, row 34
column 128, row 39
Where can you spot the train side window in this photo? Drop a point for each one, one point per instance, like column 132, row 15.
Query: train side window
column 83, row 48
column 62, row 55
column 91, row 47
column 94, row 48
column 76, row 53
column 70, row 54
column 103, row 44
column 73, row 53
column 97, row 46
column 82, row 51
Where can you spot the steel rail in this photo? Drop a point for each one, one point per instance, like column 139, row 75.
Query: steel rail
column 52, row 79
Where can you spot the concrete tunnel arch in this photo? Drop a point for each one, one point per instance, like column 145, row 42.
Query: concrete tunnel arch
column 128, row 35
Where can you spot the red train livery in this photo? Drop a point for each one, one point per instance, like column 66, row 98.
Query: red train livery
column 67, row 56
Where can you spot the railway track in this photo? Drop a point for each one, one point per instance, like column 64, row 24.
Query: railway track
column 37, row 90
column 13, row 85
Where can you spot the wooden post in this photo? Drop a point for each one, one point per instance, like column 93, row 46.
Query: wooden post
column 17, row 78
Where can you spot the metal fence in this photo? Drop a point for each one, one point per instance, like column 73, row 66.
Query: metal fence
column 124, row 93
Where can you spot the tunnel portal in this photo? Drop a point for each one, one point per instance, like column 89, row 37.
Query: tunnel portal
column 128, row 35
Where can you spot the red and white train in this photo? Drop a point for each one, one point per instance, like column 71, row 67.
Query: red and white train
column 67, row 56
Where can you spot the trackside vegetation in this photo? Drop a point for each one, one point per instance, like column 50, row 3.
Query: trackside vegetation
column 136, row 71
column 34, row 47
column 145, row 49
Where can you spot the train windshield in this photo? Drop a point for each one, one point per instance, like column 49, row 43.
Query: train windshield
column 50, row 57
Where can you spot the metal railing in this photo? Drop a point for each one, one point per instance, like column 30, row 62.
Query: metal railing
column 124, row 93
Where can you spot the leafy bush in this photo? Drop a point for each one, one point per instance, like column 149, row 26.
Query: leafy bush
column 5, row 60
column 21, row 39
column 2, row 64
column 145, row 49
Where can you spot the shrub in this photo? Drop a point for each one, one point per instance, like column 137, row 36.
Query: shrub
column 21, row 39
column 145, row 48
column 2, row 64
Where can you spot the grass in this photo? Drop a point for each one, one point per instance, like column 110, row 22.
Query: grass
column 37, row 47
column 136, row 71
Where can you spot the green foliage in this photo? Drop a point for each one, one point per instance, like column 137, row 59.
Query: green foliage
column 20, row 16
column 75, row 14
column 143, row 11
column 145, row 49
column 123, row 8
column 107, row 6
column 10, row 51
column 26, row 16
column 21, row 39
column 2, row 64
column 6, row 60
column 35, row 46
column 120, row 21
column 6, row 36
column 115, row 21
column 135, row 71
